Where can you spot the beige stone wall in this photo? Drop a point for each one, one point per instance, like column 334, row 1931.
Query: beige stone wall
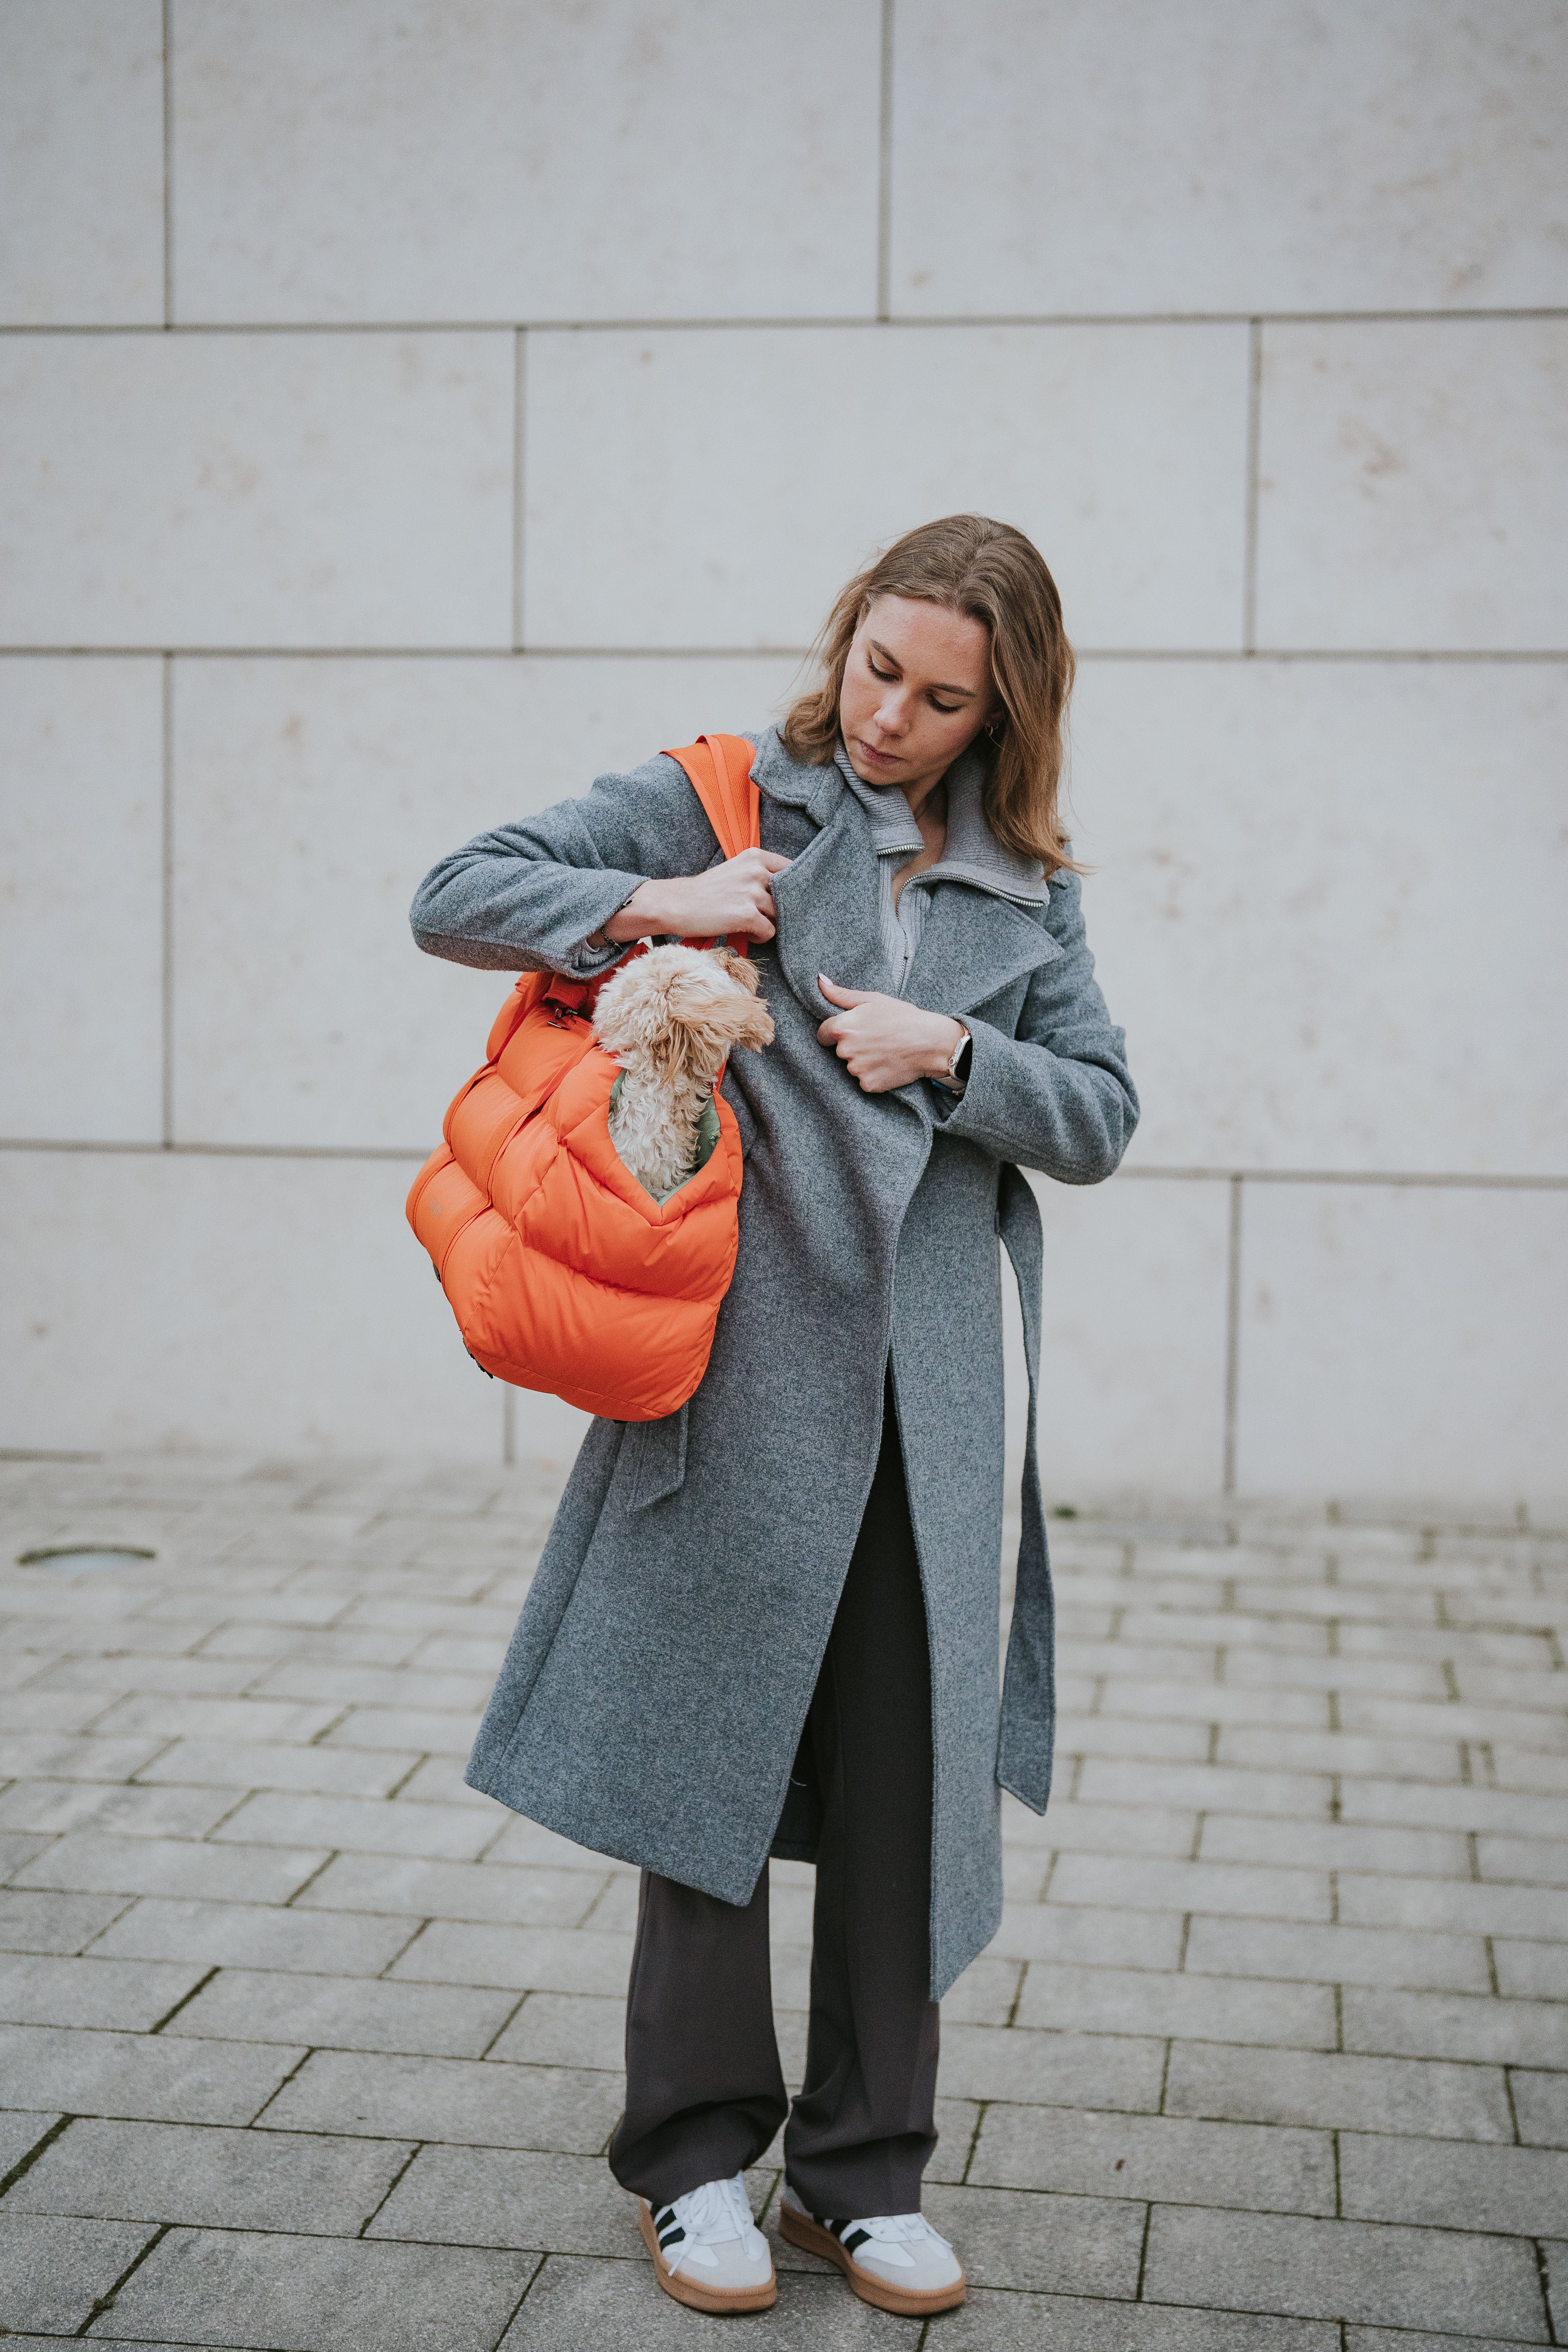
column 407, row 411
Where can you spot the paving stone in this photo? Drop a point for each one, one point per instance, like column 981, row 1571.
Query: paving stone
column 345, row 1684
column 1393, row 1676
column 1336, row 1751
column 1222, row 1888
column 358, row 1825
column 1078, row 1827
column 461, row 2101
column 1352, row 2270
column 1056, row 2070
column 1540, row 1861
column 562, row 2029
column 1386, row 1955
column 1209, row 1787
column 1451, row 1808
column 1127, row 1737
column 1554, row 2253
column 19, row 2135
column 44, row 1756
column 346, row 2013
column 438, row 1779
column 463, row 1652
column 1540, row 2103
column 266, row 1764
column 1447, row 2185
column 1252, row 2166
column 577, row 2302
column 1528, row 1770
column 455, row 1891
column 989, row 2322
column 202, row 2174
column 501, row 2197
column 1449, row 2025
column 16, row 1848
column 139, row 2074
column 52, row 2272
column 58, row 1805
column 87, row 1861
column 1061, row 2245
column 1423, row 1719
column 1334, row 1845
column 1389, row 2339
column 218, row 1718
column 204, row 1675
column 43, row 1707
column 1459, row 1906
column 430, row 1732
column 130, row 1994
column 1205, row 2008
column 1069, row 1933
column 540, row 1959
column 1335, row 2091
column 242, row 1935
column 363, row 1645
column 1532, row 1971
column 1214, row 1703
column 55, row 1923
column 525, row 1842
column 315, row 2295
column 986, row 1994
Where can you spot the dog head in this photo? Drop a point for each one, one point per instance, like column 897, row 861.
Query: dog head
column 679, row 1012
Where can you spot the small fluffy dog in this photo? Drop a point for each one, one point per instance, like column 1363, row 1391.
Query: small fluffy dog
column 670, row 1018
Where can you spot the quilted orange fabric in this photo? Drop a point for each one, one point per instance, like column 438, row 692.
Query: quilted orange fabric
column 564, row 1275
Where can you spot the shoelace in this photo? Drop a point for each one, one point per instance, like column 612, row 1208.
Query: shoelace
column 895, row 2228
column 702, row 2218
column 720, row 2209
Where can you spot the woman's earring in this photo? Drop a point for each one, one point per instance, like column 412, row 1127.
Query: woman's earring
column 995, row 728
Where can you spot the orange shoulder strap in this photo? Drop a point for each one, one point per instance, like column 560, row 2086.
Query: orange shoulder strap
column 720, row 767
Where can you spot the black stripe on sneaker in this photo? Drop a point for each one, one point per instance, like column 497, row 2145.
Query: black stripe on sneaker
column 837, row 2228
column 671, row 2237
column 855, row 2238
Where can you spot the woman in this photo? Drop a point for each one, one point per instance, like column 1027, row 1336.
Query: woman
column 770, row 1622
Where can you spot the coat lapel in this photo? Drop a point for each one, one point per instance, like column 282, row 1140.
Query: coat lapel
column 973, row 946
column 829, row 919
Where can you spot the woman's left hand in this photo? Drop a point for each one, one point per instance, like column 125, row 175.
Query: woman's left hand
column 885, row 1041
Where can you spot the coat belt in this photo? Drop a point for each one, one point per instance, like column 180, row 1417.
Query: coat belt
column 1028, row 1684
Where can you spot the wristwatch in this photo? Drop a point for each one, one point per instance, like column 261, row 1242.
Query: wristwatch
column 957, row 1071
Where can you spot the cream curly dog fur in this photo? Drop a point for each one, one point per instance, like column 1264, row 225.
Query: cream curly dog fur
column 670, row 1018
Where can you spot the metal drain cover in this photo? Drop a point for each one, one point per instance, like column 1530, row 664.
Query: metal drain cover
column 83, row 1556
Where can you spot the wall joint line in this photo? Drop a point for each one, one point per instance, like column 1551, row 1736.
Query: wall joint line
column 885, row 171
column 1232, row 1332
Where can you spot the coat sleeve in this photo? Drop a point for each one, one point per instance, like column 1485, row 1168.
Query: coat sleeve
column 1057, row 1097
column 526, row 896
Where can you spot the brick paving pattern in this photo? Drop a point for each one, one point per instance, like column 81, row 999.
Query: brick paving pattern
column 306, row 2048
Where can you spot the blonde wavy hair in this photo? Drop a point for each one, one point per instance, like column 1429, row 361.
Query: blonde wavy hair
column 994, row 574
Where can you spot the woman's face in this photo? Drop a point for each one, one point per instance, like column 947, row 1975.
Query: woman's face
column 916, row 690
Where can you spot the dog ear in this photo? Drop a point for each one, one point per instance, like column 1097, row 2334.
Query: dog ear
column 738, row 968
column 756, row 1028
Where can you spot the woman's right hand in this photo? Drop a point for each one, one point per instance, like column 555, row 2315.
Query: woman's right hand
column 734, row 899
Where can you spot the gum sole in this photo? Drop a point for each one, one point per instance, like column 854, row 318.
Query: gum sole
column 812, row 2239
column 720, row 2302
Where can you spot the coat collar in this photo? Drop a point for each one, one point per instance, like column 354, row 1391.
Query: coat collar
column 973, row 945
column 972, row 853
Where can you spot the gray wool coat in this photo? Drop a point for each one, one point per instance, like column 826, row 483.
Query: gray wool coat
column 655, row 1690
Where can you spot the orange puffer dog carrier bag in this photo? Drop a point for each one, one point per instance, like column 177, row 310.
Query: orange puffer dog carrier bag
column 564, row 1272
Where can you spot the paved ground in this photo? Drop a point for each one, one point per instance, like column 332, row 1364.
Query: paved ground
column 311, row 2049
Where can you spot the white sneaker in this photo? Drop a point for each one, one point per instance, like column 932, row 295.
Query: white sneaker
column 707, row 2249
column 895, row 2260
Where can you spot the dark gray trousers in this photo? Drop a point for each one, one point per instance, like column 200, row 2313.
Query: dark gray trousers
column 705, row 2092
